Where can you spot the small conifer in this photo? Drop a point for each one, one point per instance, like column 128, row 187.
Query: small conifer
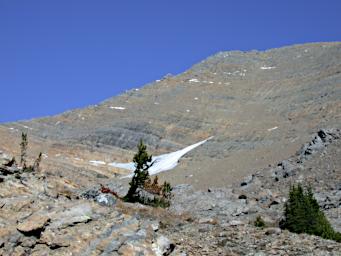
column 143, row 161
column 302, row 214
column 23, row 149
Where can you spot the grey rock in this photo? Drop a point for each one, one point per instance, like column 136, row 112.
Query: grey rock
column 106, row 199
column 68, row 217
column 163, row 246
column 272, row 231
column 247, row 180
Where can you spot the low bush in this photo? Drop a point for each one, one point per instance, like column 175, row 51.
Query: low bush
column 259, row 222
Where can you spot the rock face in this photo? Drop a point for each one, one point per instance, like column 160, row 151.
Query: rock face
column 259, row 106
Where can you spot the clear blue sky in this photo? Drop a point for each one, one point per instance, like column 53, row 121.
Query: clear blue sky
column 62, row 54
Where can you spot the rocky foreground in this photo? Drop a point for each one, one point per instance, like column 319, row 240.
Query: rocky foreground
column 45, row 213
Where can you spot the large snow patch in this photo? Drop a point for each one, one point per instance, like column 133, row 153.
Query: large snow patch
column 161, row 163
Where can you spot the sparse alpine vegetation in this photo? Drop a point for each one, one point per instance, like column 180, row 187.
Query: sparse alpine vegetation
column 142, row 189
column 11, row 167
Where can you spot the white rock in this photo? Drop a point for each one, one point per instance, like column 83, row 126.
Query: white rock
column 162, row 246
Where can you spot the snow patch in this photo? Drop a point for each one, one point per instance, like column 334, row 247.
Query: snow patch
column 273, row 128
column 118, row 108
column 26, row 127
column 193, row 80
column 266, row 68
column 97, row 163
column 161, row 163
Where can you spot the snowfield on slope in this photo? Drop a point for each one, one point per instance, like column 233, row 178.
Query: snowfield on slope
column 161, row 163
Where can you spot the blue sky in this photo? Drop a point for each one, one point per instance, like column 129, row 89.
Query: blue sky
column 62, row 54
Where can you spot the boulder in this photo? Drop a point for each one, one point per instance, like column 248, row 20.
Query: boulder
column 34, row 225
column 163, row 246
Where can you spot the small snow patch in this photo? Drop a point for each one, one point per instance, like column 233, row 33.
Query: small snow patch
column 118, row 108
column 193, row 80
column 156, row 103
column 97, row 163
column 273, row 128
column 26, row 127
column 187, row 110
column 196, row 98
column 266, row 68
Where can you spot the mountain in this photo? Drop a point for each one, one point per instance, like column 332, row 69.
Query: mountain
column 260, row 106
column 244, row 126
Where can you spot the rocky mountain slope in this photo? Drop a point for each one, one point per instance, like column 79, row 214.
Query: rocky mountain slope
column 260, row 106
column 265, row 111
column 46, row 213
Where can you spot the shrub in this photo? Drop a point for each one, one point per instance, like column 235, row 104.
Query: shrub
column 259, row 222
column 302, row 214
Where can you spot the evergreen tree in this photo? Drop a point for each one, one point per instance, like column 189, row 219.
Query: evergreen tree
column 37, row 162
column 302, row 214
column 23, row 149
column 143, row 161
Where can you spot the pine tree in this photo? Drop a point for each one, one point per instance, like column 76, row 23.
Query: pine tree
column 143, row 161
column 36, row 165
column 302, row 214
column 23, row 149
